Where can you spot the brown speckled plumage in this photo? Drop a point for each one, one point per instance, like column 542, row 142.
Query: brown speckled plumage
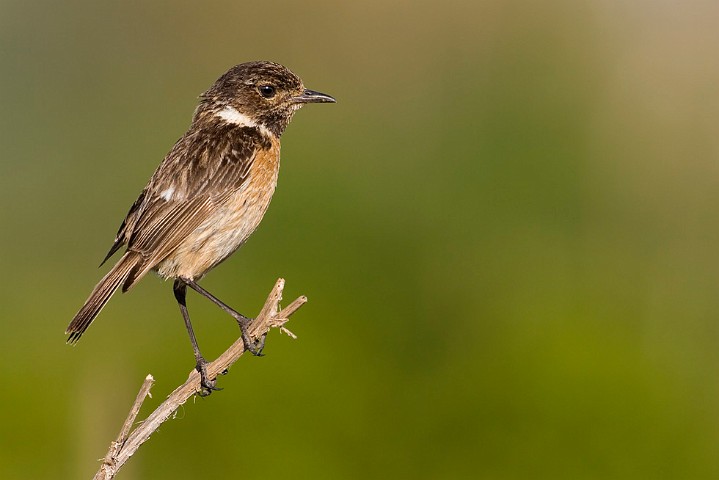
column 212, row 189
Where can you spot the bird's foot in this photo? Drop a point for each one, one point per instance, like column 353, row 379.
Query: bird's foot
column 207, row 385
column 255, row 348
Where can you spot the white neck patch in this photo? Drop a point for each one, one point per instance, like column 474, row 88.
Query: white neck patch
column 234, row 116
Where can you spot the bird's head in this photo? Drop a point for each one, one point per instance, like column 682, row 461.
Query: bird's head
column 263, row 94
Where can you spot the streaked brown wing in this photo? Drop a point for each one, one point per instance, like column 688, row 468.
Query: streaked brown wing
column 201, row 171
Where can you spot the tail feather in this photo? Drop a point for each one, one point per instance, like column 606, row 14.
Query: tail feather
column 101, row 294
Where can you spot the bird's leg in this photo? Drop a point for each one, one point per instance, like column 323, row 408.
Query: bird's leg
column 207, row 385
column 242, row 321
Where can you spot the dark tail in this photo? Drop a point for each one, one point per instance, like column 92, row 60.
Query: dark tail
column 101, row 294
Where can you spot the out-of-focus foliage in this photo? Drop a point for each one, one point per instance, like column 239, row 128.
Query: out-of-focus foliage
column 507, row 229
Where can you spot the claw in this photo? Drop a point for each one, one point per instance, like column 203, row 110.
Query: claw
column 254, row 348
column 207, row 386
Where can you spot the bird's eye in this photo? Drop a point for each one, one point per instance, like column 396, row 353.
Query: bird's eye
column 267, row 91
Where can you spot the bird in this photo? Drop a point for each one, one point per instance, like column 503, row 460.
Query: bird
column 207, row 196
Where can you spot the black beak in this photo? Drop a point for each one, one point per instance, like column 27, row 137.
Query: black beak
column 310, row 96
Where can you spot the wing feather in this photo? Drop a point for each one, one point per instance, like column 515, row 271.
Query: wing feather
column 200, row 173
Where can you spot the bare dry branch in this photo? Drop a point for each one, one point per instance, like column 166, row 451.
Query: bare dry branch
column 128, row 442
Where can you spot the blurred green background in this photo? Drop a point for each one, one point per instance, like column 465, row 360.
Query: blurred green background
column 506, row 227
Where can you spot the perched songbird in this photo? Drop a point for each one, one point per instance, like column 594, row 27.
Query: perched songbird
column 209, row 193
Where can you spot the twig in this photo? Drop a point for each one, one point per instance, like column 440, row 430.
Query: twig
column 127, row 443
column 108, row 463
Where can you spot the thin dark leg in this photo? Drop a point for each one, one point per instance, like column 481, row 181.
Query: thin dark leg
column 242, row 321
column 180, row 288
